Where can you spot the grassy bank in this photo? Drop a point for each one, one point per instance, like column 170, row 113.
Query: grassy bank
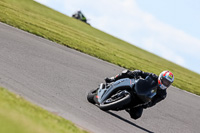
column 45, row 22
column 20, row 116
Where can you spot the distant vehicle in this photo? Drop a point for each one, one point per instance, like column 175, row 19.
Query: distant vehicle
column 79, row 15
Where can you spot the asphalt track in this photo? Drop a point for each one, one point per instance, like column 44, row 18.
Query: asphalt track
column 58, row 79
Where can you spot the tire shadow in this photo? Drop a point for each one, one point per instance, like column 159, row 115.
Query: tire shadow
column 129, row 122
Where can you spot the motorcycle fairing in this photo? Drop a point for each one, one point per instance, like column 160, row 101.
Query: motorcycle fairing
column 103, row 92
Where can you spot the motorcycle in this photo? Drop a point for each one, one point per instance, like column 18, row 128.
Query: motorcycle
column 80, row 17
column 123, row 94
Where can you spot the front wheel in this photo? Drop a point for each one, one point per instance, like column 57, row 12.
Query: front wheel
column 116, row 101
column 91, row 95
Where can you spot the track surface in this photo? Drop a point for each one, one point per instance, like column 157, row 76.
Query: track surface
column 58, row 79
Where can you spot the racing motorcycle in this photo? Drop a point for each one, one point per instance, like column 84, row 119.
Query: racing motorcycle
column 123, row 94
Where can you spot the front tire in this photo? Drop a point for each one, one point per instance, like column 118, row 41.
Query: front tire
column 91, row 95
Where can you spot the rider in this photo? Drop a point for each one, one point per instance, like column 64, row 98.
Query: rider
column 79, row 15
column 164, row 80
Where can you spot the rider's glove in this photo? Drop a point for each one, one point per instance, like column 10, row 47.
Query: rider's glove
column 153, row 76
column 136, row 73
column 109, row 80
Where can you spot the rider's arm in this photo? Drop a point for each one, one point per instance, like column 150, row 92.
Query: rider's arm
column 124, row 74
column 142, row 74
column 130, row 74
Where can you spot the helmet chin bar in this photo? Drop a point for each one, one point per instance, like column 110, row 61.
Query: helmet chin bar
column 163, row 87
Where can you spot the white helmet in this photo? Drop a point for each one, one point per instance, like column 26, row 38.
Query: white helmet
column 165, row 79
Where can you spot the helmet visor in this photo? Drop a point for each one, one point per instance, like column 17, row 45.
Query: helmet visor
column 166, row 82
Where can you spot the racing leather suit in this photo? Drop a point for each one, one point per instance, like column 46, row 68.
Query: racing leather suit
column 136, row 112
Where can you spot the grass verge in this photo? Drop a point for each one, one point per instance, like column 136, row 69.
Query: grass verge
column 19, row 116
column 50, row 24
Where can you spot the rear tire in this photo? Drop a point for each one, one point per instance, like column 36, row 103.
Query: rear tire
column 91, row 95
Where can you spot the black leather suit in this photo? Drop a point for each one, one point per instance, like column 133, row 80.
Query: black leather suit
column 136, row 112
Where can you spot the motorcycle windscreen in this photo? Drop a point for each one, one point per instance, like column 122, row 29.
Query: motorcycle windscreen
column 146, row 89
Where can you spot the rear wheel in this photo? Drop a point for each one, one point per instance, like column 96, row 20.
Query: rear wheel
column 116, row 101
column 91, row 95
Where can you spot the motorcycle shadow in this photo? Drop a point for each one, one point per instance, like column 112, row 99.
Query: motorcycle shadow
column 129, row 122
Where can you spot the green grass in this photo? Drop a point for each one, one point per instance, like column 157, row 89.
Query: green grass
column 45, row 22
column 19, row 116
